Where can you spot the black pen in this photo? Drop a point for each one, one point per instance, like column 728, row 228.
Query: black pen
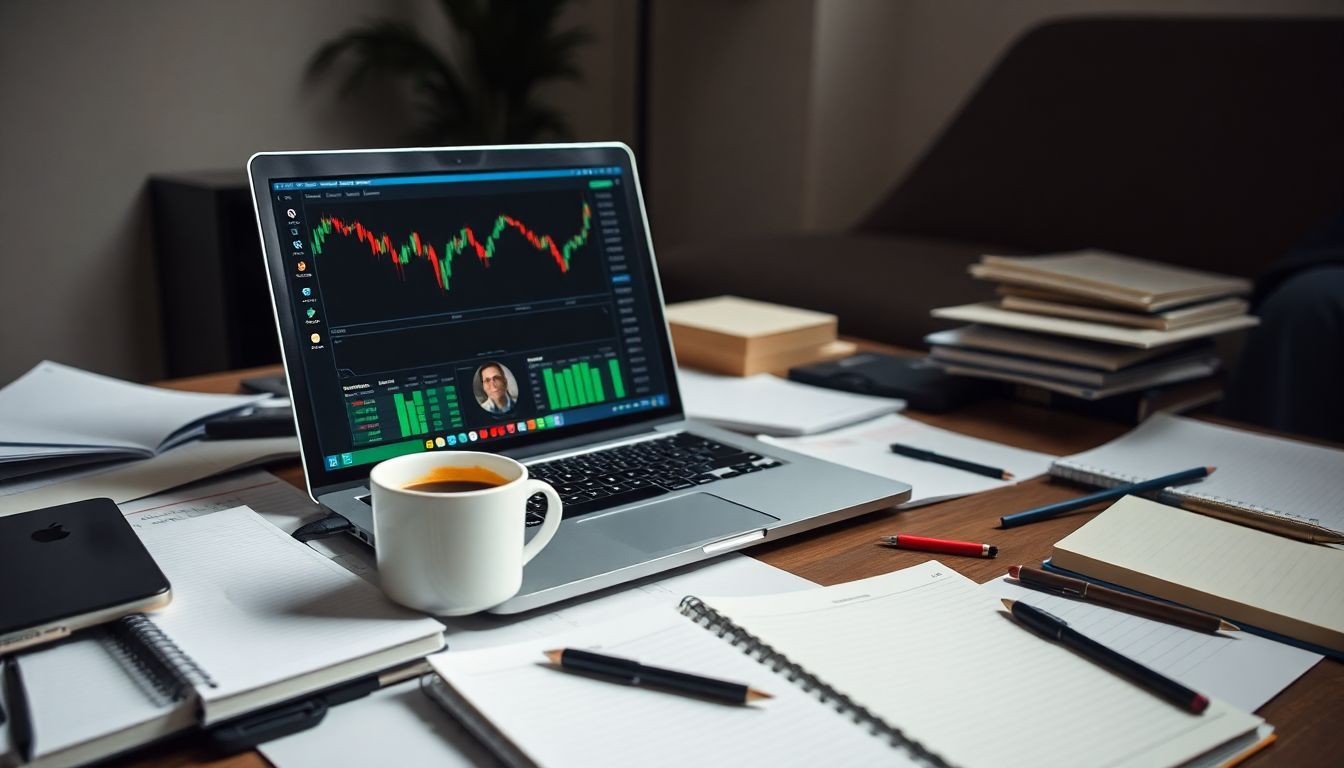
column 1056, row 628
column 629, row 672
column 948, row 461
column 20, row 720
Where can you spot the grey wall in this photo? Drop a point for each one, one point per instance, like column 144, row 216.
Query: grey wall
column 767, row 116
column 96, row 96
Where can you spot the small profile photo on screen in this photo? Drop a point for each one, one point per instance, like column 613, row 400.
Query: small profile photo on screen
column 496, row 388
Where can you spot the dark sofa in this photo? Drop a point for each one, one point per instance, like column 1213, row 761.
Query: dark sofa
column 1216, row 143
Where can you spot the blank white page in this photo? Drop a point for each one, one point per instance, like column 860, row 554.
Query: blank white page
column 253, row 607
column 866, row 447
column 1267, row 581
column 767, row 404
column 932, row 653
column 1260, row 472
column 559, row 718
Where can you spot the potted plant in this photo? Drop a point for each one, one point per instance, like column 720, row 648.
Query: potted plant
column 479, row 87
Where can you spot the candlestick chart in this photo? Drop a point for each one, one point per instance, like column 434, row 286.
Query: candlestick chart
column 381, row 260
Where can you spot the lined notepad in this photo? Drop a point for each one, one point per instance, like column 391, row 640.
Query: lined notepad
column 1259, row 473
column 1241, row 574
column 917, row 648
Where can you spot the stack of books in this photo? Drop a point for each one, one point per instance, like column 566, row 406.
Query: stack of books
column 741, row 337
column 1108, row 335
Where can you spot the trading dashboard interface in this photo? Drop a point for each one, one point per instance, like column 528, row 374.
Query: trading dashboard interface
column 468, row 309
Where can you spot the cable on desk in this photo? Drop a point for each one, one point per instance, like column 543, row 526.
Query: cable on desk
column 328, row 526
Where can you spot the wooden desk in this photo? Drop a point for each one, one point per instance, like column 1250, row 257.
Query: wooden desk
column 1308, row 715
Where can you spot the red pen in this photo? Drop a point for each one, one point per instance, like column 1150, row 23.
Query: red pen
column 942, row 546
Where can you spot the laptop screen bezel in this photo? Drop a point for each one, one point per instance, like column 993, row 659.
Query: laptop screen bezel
column 267, row 167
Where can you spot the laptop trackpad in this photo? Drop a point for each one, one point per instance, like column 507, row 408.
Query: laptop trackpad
column 680, row 523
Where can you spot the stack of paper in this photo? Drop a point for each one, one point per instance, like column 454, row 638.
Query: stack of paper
column 766, row 404
column 867, row 447
column 1092, row 325
column 257, row 618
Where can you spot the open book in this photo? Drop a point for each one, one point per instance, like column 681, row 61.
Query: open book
column 257, row 618
column 915, row 667
column 55, row 416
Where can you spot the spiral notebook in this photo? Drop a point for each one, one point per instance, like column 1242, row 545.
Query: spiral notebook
column 916, row 667
column 1256, row 473
column 257, row 618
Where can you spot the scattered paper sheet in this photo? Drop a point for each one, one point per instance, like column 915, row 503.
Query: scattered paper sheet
column 1243, row 669
column 767, row 404
column 865, row 446
column 283, row 505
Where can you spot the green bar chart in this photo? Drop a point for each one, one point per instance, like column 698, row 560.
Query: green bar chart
column 582, row 383
column 423, row 411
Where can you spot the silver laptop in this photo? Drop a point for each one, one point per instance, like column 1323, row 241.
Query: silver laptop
column 506, row 299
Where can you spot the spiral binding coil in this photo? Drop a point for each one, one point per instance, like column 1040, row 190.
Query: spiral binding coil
column 1089, row 475
column 165, row 666
column 777, row 662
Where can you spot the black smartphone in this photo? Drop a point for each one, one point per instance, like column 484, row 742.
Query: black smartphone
column 72, row 566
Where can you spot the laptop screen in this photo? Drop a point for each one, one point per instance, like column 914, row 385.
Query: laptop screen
column 485, row 309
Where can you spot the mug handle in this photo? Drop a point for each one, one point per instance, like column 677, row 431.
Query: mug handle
column 550, row 525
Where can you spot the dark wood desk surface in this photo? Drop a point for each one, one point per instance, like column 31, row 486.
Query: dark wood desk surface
column 1308, row 715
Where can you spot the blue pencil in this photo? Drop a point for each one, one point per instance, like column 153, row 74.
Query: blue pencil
column 1059, row 508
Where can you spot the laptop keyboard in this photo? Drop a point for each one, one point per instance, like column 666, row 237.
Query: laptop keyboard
column 592, row 482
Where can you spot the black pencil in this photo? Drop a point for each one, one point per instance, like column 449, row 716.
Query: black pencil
column 948, row 461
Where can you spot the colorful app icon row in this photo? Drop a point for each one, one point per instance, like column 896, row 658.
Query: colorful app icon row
column 502, row 430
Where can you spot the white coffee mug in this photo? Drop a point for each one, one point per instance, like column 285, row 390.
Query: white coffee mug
column 455, row 553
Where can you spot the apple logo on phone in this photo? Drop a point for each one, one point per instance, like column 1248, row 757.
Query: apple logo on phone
column 52, row 532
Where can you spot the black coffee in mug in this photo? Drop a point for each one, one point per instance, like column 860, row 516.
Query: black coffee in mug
column 456, row 480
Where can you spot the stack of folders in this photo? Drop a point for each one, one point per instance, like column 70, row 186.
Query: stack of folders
column 899, row 669
column 257, row 619
column 1084, row 328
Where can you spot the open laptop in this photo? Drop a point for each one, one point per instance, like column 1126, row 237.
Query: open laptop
column 506, row 299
